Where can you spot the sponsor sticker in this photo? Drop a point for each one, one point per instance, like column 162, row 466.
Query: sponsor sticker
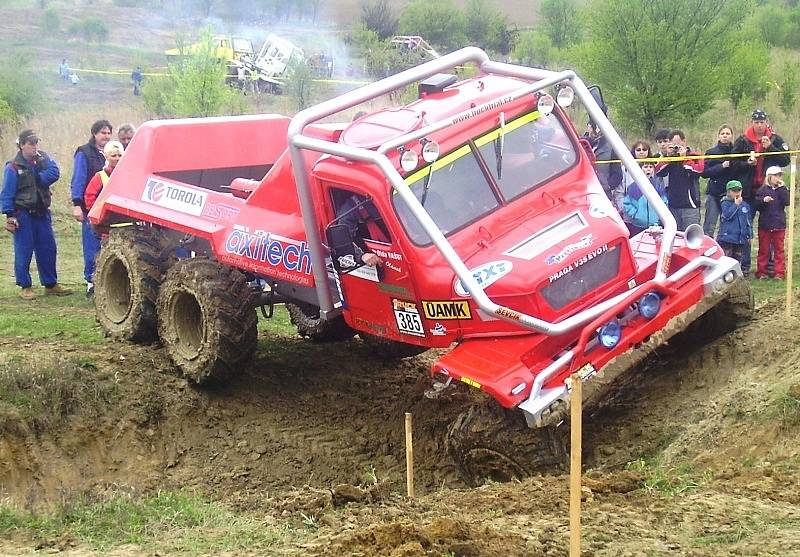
column 438, row 330
column 263, row 247
column 485, row 275
column 446, row 309
column 569, row 249
column 471, row 382
column 179, row 198
column 509, row 313
column 408, row 319
column 581, row 261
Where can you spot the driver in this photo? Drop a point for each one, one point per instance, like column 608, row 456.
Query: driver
column 358, row 213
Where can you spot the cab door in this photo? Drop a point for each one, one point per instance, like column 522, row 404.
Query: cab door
column 380, row 299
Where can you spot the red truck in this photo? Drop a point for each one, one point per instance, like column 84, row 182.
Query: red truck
column 481, row 202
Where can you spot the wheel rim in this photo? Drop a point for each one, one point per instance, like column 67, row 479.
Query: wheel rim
column 187, row 315
column 117, row 291
column 482, row 464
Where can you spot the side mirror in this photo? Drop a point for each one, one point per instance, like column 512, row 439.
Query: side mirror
column 344, row 253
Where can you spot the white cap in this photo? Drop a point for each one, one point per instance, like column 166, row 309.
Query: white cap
column 774, row 170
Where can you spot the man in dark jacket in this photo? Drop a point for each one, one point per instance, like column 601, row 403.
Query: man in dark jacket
column 25, row 200
column 683, row 182
column 766, row 149
column 89, row 160
column 609, row 174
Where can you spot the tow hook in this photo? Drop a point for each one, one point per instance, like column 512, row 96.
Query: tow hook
column 442, row 382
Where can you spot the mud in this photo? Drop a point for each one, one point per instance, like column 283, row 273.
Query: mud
column 316, row 430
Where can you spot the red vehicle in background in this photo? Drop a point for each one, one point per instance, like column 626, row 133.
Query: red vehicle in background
column 495, row 238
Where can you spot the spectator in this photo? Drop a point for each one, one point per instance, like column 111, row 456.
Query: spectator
column 639, row 150
column 254, row 79
column 771, row 201
column 736, row 225
column 639, row 213
column 125, row 133
column 25, row 200
column 682, row 181
column 756, row 139
column 719, row 172
column 137, row 77
column 609, row 174
column 88, row 161
column 113, row 152
column 662, row 141
column 63, row 69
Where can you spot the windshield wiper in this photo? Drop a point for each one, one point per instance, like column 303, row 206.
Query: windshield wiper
column 499, row 144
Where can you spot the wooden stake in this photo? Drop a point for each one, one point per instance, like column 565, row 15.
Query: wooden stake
column 790, row 239
column 576, row 402
column 409, row 457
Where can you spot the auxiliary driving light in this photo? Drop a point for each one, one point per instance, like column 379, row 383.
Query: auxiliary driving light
column 545, row 105
column 565, row 96
column 409, row 160
column 610, row 334
column 649, row 305
column 430, row 151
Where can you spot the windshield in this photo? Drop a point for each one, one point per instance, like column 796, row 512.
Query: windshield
column 489, row 171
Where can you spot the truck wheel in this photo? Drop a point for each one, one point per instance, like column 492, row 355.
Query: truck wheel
column 207, row 320
column 129, row 270
column 730, row 313
column 310, row 325
column 390, row 349
column 490, row 442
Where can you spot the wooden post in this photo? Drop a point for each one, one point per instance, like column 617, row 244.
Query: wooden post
column 576, row 402
column 409, row 457
column 790, row 236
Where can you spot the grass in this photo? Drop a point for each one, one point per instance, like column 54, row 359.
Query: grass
column 41, row 393
column 668, row 482
column 168, row 522
column 738, row 531
column 787, row 407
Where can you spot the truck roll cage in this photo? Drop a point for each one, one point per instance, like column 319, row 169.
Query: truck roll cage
column 541, row 79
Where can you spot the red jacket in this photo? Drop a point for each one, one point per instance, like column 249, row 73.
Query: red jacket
column 95, row 186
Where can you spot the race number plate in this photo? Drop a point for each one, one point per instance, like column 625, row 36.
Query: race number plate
column 408, row 319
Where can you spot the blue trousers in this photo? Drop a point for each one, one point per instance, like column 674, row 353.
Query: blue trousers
column 91, row 247
column 34, row 236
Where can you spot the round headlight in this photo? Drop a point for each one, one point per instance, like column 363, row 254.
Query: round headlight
column 565, row 96
column 546, row 104
column 610, row 334
column 430, row 151
column 409, row 160
column 649, row 305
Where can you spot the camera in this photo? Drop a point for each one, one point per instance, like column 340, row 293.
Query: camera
column 675, row 149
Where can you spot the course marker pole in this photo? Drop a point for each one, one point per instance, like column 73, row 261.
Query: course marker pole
column 576, row 400
column 409, row 458
column 790, row 239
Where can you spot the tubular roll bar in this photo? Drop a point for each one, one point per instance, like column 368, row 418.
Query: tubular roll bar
column 544, row 78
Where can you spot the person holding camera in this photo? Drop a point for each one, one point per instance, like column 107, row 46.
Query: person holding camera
column 25, row 200
column 682, row 177
column 765, row 148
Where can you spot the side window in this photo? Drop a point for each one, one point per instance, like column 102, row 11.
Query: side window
column 359, row 213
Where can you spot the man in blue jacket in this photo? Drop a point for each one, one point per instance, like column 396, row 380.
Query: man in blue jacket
column 25, row 200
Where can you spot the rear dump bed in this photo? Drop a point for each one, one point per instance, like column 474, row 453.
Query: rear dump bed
column 180, row 172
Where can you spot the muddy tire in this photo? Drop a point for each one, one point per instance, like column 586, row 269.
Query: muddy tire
column 129, row 270
column 730, row 313
column 390, row 349
column 490, row 442
column 310, row 325
column 207, row 320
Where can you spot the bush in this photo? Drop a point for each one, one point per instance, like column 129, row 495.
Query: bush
column 379, row 17
column 195, row 86
column 440, row 23
column 50, row 22
column 91, row 29
column 18, row 93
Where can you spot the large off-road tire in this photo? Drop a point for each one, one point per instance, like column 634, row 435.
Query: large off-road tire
column 129, row 270
column 735, row 310
column 310, row 325
column 207, row 320
column 490, row 442
column 390, row 349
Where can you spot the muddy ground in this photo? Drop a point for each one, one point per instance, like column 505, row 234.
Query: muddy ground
column 311, row 430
